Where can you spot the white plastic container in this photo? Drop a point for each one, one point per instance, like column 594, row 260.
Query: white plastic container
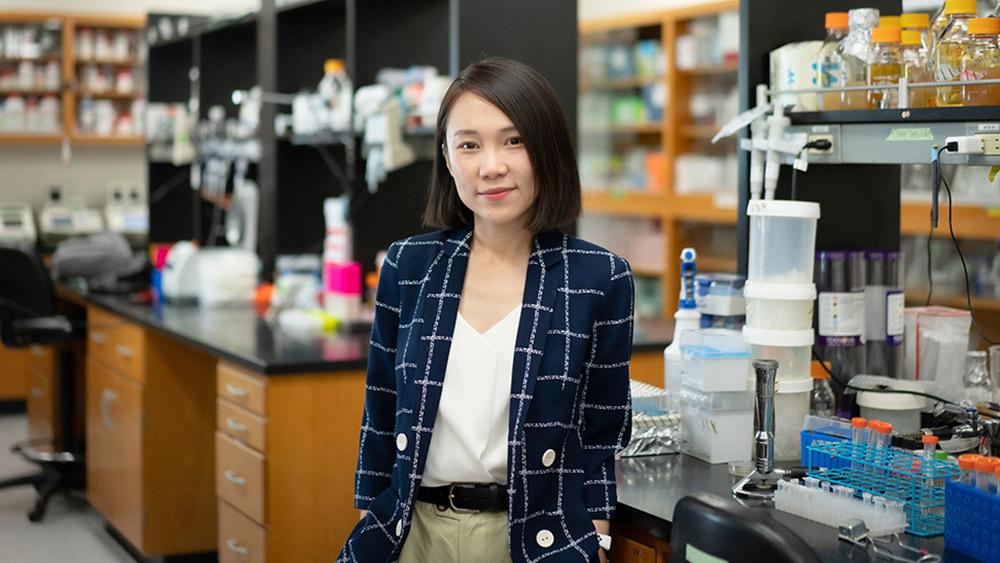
column 780, row 306
column 782, row 241
column 716, row 436
column 792, row 349
column 791, row 405
column 227, row 275
column 714, row 359
column 901, row 410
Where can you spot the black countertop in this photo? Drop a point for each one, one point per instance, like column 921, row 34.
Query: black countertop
column 649, row 488
column 241, row 335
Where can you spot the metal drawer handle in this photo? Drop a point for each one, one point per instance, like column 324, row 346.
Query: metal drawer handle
column 234, row 478
column 123, row 351
column 37, row 392
column 38, row 351
column 232, row 545
column 235, row 391
column 108, row 397
column 97, row 337
column 235, row 426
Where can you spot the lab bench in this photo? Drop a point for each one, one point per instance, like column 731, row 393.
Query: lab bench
column 208, row 430
column 650, row 487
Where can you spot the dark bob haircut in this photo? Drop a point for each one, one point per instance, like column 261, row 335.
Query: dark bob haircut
column 531, row 103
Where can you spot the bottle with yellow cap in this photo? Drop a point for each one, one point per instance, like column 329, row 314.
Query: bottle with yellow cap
column 828, row 61
column 885, row 68
column 914, row 61
column 889, row 21
column 917, row 22
column 948, row 51
column 981, row 61
column 337, row 93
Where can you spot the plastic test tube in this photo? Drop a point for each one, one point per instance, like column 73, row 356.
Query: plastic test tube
column 930, row 444
column 967, row 465
column 985, row 473
column 996, row 481
column 858, row 425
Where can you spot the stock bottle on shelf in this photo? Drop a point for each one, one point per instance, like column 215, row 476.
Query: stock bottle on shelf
column 828, row 61
column 948, row 51
column 917, row 22
column 840, row 318
column 981, row 61
column 856, row 53
column 885, row 68
column 936, row 23
column 889, row 21
column 914, row 67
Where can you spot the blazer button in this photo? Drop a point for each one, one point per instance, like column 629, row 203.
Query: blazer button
column 548, row 458
column 399, row 528
column 545, row 538
column 401, row 442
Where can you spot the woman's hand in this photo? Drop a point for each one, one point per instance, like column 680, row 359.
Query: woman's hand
column 363, row 514
column 602, row 527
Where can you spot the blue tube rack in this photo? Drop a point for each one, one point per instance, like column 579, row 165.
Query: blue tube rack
column 972, row 521
column 895, row 474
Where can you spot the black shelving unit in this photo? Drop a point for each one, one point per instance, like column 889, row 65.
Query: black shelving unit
column 860, row 204
column 282, row 49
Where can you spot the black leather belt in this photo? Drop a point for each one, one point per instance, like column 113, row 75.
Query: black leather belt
column 467, row 497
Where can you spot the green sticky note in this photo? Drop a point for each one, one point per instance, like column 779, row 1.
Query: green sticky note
column 695, row 555
column 993, row 172
column 910, row 134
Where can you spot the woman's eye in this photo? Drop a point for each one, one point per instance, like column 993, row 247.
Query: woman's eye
column 467, row 145
column 515, row 141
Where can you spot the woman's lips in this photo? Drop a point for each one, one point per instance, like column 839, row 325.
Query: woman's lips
column 495, row 194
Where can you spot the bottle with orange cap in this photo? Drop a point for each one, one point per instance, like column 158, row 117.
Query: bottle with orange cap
column 889, row 21
column 981, row 61
column 914, row 67
column 822, row 401
column 967, row 468
column 828, row 61
column 885, row 68
column 948, row 51
column 917, row 22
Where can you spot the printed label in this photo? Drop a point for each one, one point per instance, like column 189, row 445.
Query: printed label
column 946, row 73
column 911, row 134
column 894, row 320
column 840, row 318
column 821, row 129
column 989, row 127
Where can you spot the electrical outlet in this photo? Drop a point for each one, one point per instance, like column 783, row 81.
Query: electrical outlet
column 824, row 136
column 991, row 143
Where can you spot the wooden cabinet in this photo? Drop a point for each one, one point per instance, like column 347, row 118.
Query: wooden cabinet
column 150, row 452
column 42, row 369
column 76, row 78
column 632, row 546
column 648, row 110
column 14, row 381
column 286, row 448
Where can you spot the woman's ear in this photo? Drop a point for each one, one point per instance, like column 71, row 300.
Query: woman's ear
column 447, row 161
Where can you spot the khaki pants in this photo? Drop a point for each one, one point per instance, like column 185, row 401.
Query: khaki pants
column 444, row 536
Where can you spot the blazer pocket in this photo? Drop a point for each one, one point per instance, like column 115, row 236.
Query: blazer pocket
column 375, row 537
column 546, row 536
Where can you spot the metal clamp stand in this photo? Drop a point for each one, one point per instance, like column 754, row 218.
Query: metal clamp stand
column 761, row 482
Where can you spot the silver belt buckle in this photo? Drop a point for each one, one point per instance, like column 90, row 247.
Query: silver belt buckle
column 451, row 499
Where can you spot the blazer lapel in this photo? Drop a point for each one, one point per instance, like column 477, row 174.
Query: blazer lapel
column 441, row 293
column 539, row 301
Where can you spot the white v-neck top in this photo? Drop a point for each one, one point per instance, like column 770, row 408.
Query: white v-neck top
column 469, row 442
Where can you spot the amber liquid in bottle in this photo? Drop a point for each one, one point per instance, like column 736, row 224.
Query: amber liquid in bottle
column 883, row 74
column 982, row 94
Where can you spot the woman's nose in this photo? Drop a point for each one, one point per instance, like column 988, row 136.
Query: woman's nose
column 493, row 163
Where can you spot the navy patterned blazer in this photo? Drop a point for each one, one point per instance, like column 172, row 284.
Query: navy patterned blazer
column 570, row 409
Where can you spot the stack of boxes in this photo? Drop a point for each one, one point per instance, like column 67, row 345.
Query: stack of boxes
column 780, row 294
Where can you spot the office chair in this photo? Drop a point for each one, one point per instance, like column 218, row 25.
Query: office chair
column 723, row 528
column 28, row 316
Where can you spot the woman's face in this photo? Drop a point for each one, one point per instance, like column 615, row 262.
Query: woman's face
column 489, row 162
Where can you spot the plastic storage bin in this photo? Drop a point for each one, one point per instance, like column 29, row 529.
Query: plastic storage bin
column 780, row 306
column 792, row 349
column 719, row 299
column 714, row 359
column 782, row 241
column 900, row 410
column 716, row 436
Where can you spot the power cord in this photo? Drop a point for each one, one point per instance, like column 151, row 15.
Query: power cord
column 818, row 144
column 847, row 385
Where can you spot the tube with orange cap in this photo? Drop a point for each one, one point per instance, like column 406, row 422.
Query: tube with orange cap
column 858, row 426
column 967, row 466
column 986, row 468
column 930, row 444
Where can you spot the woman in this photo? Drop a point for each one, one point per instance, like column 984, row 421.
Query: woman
column 497, row 388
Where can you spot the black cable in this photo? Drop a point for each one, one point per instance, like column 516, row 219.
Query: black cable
column 847, row 385
column 965, row 269
column 930, row 278
column 166, row 187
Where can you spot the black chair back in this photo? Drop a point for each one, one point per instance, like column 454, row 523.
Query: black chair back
column 721, row 527
column 26, row 292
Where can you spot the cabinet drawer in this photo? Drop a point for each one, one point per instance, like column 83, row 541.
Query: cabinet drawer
column 242, row 388
column 43, row 358
column 241, row 540
column 239, row 476
column 40, row 428
column 117, row 342
column 241, row 424
column 41, row 395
